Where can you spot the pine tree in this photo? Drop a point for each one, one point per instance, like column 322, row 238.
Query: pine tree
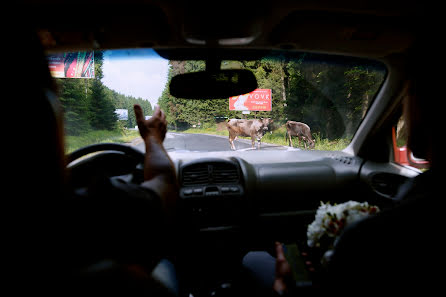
column 102, row 109
column 75, row 103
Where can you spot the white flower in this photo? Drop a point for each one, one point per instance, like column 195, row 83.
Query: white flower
column 330, row 221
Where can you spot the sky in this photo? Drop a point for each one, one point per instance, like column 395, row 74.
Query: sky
column 138, row 73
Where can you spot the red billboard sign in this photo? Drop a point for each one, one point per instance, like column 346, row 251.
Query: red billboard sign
column 257, row 100
column 72, row 65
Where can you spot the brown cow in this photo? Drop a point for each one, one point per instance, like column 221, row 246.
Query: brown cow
column 247, row 128
column 302, row 131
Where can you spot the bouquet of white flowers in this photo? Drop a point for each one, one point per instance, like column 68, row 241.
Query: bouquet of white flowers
column 331, row 220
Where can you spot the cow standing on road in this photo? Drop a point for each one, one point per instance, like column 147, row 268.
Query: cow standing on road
column 302, row 131
column 247, row 128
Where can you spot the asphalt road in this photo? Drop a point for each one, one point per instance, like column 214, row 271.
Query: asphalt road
column 185, row 142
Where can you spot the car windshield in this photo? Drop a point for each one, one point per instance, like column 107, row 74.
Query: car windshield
column 328, row 95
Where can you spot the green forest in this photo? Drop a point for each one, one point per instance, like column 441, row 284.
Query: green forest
column 90, row 106
column 331, row 98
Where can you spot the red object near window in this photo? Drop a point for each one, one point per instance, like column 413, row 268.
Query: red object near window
column 403, row 155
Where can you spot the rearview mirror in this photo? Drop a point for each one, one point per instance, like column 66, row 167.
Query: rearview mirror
column 213, row 84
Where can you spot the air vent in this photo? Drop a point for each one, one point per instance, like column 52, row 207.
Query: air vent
column 214, row 173
column 196, row 175
column 224, row 173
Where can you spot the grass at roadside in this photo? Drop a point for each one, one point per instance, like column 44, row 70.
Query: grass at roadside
column 278, row 137
column 205, row 131
column 99, row 136
column 122, row 136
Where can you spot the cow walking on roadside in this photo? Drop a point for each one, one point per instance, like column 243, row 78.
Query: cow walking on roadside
column 247, row 128
column 302, row 131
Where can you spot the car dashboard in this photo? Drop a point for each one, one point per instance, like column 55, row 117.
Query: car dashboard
column 226, row 190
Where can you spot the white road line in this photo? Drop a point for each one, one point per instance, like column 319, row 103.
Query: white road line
column 246, row 149
column 172, row 134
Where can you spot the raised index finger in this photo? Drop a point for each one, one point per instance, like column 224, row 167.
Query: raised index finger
column 157, row 112
column 139, row 115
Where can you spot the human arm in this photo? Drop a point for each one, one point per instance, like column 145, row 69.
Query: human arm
column 159, row 172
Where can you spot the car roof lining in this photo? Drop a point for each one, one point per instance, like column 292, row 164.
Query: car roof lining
column 373, row 29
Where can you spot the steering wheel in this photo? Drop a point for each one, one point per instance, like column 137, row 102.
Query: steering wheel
column 104, row 147
column 110, row 159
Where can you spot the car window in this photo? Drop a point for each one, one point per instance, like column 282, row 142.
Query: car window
column 328, row 95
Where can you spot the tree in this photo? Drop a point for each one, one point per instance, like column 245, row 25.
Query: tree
column 360, row 84
column 102, row 109
column 75, row 104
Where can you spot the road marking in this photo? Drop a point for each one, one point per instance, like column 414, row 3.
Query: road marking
column 173, row 135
